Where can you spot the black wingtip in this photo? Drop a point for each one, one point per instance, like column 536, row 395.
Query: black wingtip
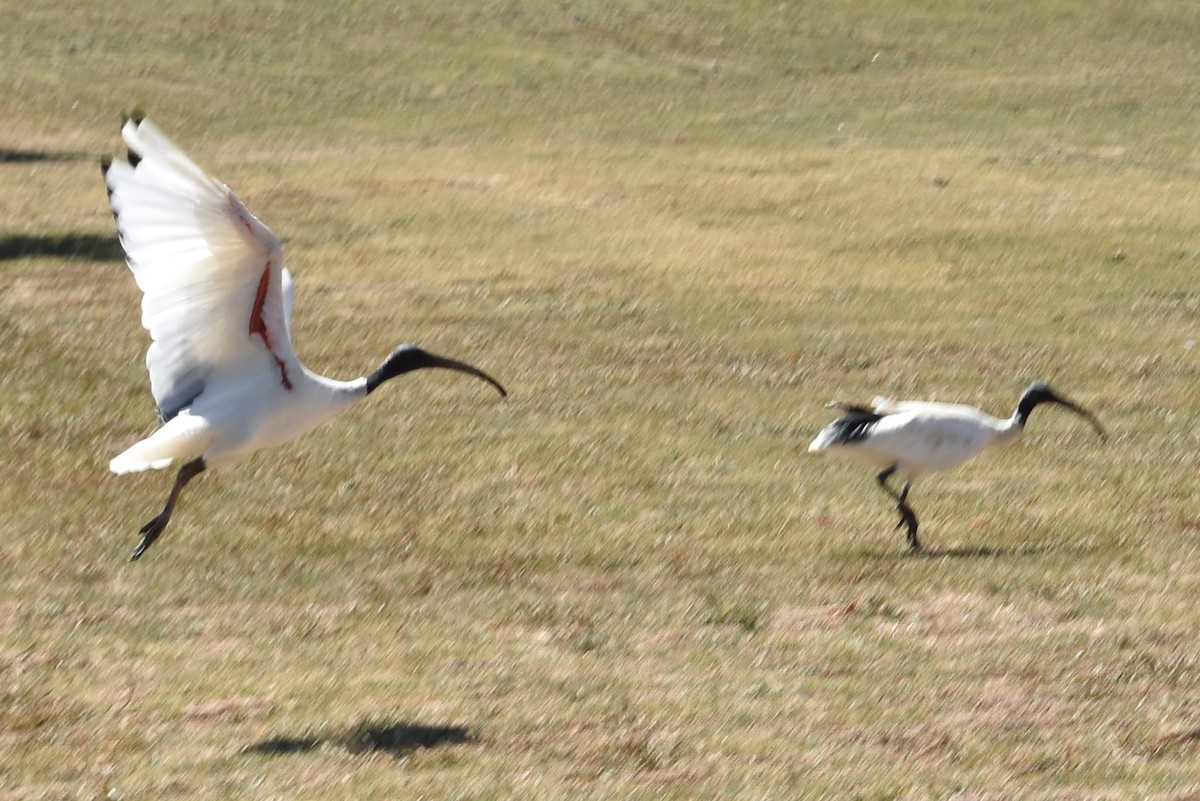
column 849, row 407
column 106, row 165
column 853, row 426
column 137, row 117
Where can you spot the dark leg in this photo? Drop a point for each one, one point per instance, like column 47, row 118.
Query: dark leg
column 152, row 529
column 882, row 479
column 907, row 517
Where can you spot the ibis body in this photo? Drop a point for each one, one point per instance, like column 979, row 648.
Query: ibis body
column 217, row 302
column 909, row 438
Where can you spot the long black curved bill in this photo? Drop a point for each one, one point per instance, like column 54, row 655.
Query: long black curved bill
column 433, row 360
column 407, row 358
column 1084, row 413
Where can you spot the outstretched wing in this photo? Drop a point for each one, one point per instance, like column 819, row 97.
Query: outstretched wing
column 211, row 273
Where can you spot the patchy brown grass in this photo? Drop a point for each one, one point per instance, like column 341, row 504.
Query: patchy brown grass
column 674, row 232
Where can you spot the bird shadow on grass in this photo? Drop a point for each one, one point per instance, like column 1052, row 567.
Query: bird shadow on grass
column 63, row 246
column 979, row 552
column 963, row 552
column 396, row 739
column 12, row 156
column 1174, row 743
column 987, row 551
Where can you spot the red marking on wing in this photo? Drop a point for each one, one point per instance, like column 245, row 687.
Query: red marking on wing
column 283, row 376
column 259, row 326
column 238, row 210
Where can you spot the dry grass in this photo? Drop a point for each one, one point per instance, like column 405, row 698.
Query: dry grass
column 674, row 233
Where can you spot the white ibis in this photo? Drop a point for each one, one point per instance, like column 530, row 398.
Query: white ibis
column 217, row 303
column 915, row 437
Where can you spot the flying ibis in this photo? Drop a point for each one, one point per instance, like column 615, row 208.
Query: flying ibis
column 914, row 437
column 217, row 301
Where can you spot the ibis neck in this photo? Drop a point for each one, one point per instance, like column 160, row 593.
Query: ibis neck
column 1009, row 430
column 337, row 393
column 1024, row 408
column 1014, row 427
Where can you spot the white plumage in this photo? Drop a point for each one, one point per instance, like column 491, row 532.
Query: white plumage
column 915, row 437
column 217, row 303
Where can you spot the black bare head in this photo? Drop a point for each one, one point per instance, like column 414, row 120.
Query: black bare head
column 407, row 358
column 1039, row 392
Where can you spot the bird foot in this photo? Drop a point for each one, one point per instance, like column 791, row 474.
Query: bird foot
column 149, row 533
column 907, row 518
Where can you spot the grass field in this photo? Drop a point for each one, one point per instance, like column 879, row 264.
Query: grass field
column 674, row 231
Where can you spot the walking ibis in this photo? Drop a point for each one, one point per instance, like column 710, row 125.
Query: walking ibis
column 914, row 437
column 217, row 302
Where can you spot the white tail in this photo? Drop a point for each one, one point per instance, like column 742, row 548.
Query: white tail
column 184, row 438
